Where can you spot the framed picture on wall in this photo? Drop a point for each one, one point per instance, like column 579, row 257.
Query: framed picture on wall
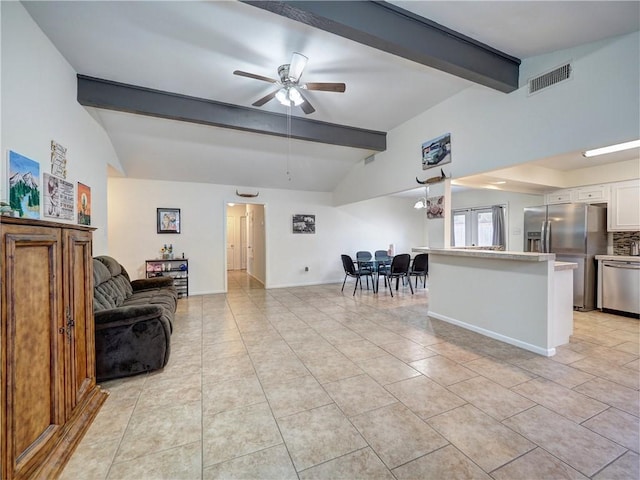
column 24, row 185
column 435, row 207
column 304, row 223
column 84, row 204
column 168, row 220
column 436, row 152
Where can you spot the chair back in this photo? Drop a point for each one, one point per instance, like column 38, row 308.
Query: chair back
column 347, row 264
column 381, row 255
column 421, row 263
column 363, row 256
column 400, row 263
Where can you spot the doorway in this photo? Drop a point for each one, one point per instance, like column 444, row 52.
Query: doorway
column 245, row 246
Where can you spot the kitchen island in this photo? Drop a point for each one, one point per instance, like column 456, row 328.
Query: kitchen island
column 521, row 298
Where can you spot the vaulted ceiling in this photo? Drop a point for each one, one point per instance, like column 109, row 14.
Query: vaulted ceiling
column 183, row 55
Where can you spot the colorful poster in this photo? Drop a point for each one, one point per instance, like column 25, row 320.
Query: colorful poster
column 58, row 197
column 24, row 185
column 84, row 204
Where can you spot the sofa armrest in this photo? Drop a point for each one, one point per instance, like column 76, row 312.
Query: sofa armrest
column 126, row 315
column 153, row 282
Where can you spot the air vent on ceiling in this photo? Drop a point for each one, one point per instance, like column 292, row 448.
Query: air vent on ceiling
column 369, row 159
column 553, row 77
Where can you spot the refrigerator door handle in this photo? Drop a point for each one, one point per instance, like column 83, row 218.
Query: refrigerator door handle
column 543, row 236
column 547, row 238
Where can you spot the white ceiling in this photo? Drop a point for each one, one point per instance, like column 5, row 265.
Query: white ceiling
column 192, row 48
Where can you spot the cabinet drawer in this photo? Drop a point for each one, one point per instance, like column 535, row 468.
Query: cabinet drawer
column 592, row 194
column 558, row 197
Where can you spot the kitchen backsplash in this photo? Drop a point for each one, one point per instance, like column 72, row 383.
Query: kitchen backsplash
column 622, row 242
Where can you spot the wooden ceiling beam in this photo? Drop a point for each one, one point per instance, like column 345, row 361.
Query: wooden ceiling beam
column 110, row 95
column 397, row 31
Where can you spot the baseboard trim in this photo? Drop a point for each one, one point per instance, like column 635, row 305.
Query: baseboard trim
column 547, row 352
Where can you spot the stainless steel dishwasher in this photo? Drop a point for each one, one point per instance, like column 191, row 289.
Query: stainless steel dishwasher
column 621, row 286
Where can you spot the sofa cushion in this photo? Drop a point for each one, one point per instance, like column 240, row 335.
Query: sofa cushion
column 151, row 297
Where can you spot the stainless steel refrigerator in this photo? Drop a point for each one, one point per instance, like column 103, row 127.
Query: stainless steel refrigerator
column 575, row 232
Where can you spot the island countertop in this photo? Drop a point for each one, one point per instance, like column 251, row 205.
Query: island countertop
column 497, row 254
column 619, row 258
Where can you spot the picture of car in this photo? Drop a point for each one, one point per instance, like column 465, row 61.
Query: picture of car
column 436, row 151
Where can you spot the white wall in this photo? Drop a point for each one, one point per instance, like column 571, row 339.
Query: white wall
column 492, row 130
column 39, row 105
column 368, row 225
column 257, row 261
column 516, row 203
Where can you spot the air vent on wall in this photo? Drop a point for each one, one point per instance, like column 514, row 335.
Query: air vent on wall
column 553, row 77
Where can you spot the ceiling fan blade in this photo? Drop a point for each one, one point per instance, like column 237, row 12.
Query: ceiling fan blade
column 306, row 106
column 326, row 87
column 253, row 75
column 265, row 99
column 296, row 67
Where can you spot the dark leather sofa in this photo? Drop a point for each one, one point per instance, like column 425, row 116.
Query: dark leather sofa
column 133, row 320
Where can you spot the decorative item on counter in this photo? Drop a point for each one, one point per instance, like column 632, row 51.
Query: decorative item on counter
column 167, row 252
column 6, row 210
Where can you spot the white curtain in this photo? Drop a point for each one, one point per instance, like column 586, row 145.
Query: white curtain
column 497, row 213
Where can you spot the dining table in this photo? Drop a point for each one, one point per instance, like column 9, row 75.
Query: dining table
column 375, row 265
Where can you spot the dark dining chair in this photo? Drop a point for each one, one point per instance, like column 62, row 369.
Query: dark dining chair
column 350, row 270
column 383, row 262
column 399, row 269
column 420, row 268
column 363, row 258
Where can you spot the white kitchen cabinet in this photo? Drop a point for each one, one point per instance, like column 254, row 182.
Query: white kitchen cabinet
column 591, row 194
column 624, row 206
column 559, row 196
column 588, row 194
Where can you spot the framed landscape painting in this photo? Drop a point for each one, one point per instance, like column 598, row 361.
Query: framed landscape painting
column 24, row 185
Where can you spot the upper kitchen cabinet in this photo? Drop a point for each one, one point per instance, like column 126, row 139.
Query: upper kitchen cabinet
column 624, row 206
column 588, row 194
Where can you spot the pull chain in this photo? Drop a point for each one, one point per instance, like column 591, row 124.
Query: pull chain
column 288, row 140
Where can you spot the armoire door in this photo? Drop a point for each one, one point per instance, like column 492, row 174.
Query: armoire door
column 79, row 328
column 33, row 413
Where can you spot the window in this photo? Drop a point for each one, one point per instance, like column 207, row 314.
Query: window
column 473, row 227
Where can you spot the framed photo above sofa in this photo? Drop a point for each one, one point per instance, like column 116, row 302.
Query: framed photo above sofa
column 168, row 220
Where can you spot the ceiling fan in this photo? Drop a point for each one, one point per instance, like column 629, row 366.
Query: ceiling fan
column 289, row 91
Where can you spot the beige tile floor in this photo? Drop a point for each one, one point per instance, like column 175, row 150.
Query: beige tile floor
column 312, row 383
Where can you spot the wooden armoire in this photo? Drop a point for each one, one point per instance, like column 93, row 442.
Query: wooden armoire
column 48, row 391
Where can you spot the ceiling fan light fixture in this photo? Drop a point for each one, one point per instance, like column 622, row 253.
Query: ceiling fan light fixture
column 295, row 97
column 289, row 96
column 282, row 97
